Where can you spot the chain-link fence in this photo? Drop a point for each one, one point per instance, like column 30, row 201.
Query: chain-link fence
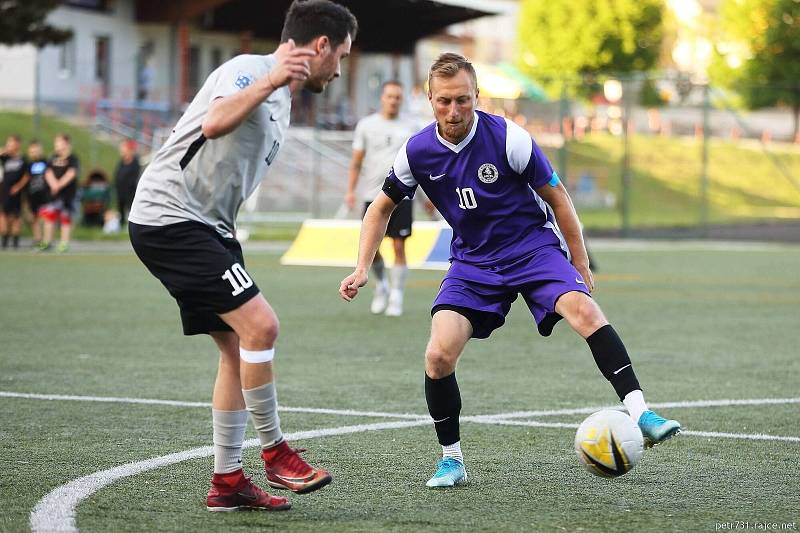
column 641, row 154
column 690, row 164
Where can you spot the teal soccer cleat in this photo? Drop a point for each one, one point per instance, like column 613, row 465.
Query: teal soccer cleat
column 656, row 429
column 449, row 472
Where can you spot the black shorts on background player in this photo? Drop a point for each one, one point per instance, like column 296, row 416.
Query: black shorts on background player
column 13, row 170
column 11, row 205
column 401, row 220
column 201, row 270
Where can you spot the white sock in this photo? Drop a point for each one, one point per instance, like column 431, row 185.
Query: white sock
column 398, row 277
column 379, row 268
column 453, row 451
column 634, row 403
column 228, row 437
column 262, row 403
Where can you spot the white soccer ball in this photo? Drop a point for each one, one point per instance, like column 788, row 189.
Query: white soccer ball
column 609, row 443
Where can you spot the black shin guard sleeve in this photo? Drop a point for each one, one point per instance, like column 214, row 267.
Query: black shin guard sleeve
column 444, row 405
column 612, row 360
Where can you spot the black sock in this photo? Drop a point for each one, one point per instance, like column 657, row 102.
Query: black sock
column 444, row 404
column 612, row 360
column 16, row 241
column 5, row 240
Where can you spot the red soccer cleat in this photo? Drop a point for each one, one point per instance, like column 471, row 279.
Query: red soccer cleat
column 235, row 492
column 287, row 470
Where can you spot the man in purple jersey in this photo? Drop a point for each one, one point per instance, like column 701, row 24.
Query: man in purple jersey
column 515, row 231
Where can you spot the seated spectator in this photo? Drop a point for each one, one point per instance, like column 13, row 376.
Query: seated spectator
column 95, row 199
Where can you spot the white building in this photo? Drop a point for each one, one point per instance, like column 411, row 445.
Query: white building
column 124, row 51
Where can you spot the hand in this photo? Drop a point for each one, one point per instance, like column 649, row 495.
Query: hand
column 292, row 64
column 54, row 189
column 429, row 207
column 586, row 274
column 350, row 285
column 350, row 200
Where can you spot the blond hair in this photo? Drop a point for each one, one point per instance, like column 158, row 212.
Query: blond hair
column 448, row 65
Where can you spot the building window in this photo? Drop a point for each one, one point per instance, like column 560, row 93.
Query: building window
column 102, row 64
column 194, row 70
column 66, row 59
column 216, row 58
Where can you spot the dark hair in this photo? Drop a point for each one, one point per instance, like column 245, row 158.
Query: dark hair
column 308, row 19
column 97, row 175
column 35, row 141
column 16, row 137
column 64, row 137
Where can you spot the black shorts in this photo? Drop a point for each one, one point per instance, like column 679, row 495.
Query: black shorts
column 400, row 222
column 38, row 200
column 203, row 271
column 11, row 205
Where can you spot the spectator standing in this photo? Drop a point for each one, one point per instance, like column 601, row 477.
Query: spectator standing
column 126, row 177
column 38, row 192
column 62, row 177
column 14, row 181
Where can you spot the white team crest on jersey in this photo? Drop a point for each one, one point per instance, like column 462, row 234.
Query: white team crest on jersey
column 488, row 173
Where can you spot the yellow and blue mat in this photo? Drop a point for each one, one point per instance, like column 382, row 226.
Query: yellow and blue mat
column 335, row 243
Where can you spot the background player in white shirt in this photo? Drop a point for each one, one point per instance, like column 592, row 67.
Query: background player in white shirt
column 182, row 227
column 376, row 141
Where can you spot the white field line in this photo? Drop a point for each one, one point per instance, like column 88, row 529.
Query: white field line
column 534, row 423
column 177, row 403
column 56, row 511
column 661, row 405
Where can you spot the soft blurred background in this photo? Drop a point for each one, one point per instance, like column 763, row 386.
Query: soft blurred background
column 665, row 117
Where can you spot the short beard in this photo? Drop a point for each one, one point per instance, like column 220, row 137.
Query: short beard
column 314, row 86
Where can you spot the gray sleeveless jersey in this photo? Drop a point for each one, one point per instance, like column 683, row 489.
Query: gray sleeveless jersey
column 207, row 180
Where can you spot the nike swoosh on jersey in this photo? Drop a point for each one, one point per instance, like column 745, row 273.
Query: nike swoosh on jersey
column 577, row 280
column 272, row 118
column 434, row 178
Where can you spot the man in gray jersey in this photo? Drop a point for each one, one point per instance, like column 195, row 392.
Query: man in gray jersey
column 182, row 227
column 376, row 141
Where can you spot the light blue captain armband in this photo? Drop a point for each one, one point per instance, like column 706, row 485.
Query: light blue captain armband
column 554, row 180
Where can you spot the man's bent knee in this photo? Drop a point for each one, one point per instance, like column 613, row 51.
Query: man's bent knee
column 439, row 364
column 261, row 336
column 583, row 314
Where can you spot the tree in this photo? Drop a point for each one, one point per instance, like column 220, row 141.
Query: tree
column 758, row 53
column 24, row 22
column 567, row 39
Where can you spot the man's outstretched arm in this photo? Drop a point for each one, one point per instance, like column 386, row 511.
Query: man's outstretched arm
column 373, row 230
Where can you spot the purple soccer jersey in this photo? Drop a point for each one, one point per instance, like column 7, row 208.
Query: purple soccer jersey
column 505, row 238
column 484, row 188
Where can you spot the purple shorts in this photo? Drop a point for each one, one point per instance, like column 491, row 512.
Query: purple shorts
column 484, row 294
